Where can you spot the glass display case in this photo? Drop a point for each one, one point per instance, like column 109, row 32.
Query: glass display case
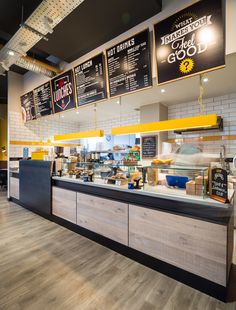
column 118, row 174
column 112, row 172
column 161, row 179
column 176, row 180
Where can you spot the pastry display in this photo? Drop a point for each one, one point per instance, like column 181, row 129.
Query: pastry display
column 160, row 162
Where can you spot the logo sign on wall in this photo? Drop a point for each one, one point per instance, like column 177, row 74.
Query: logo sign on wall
column 63, row 92
column 91, row 80
column 27, row 107
column 190, row 41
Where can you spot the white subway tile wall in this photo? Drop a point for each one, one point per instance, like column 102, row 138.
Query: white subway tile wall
column 106, row 125
column 35, row 131
column 224, row 106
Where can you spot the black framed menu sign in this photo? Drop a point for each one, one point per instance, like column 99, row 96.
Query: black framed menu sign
column 149, row 146
column 27, row 107
column 129, row 65
column 43, row 100
column 90, row 80
column 191, row 41
column 63, row 92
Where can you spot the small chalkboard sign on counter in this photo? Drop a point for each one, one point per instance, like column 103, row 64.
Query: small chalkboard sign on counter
column 90, row 80
column 219, row 183
column 149, row 147
column 129, row 65
column 43, row 100
column 27, row 107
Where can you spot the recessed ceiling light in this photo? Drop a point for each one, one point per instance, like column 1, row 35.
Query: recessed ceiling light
column 205, row 79
column 77, row 112
column 118, row 101
column 11, row 53
column 163, row 90
column 62, row 116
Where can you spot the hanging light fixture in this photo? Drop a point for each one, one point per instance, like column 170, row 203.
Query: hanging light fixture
column 194, row 123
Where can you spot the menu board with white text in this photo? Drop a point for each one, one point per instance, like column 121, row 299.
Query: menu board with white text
column 90, row 80
column 129, row 65
column 43, row 100
column 27, row 107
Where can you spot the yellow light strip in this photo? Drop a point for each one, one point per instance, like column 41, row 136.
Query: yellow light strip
column 79, row 135
column 38, row 143
column 169, row 125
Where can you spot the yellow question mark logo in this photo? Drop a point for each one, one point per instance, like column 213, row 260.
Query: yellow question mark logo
column 186, row 65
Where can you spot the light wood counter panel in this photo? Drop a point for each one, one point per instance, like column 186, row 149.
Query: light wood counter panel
column 103, row 216
column 193, row 245
column 15, row 188
column 64, row 204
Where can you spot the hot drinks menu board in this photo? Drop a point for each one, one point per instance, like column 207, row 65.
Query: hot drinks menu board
column 129, row 65
column 43, row 100
column 149, row 147
column 90, row 80
column 190, row 41
column 63, row 92
column 219, row 185
column 27, row 107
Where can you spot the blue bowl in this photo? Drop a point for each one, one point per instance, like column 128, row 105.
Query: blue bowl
column 176, row 181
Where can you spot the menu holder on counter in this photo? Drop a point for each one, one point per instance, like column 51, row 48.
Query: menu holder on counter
column 90, row 80
column 63, row 92
column 43, row 100
column 28, row 107
column 149, row 147
column 219, row 185
column 129, row 65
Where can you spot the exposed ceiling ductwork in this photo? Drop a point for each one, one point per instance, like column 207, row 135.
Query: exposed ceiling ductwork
column 41, row 22
column 37, row 66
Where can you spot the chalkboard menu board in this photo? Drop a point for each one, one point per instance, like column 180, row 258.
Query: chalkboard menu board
column 90, row 80
column 43, row 100
column 149, row 147
column 63, row 92
column 219, row 185
column 129, row 66
column 27, row 107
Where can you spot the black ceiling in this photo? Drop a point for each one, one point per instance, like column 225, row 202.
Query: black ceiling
column 92, row 24
column 11, row 15
column 95, row 22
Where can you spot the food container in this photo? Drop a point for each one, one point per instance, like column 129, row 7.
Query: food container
column 177, row 181
column 130, row 185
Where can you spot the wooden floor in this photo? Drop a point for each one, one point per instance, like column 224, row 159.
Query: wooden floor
column 44, row 266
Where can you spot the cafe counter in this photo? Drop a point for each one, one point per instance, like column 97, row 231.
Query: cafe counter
column 190, row 240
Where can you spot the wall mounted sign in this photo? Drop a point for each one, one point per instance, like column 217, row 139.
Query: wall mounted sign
column 219, row 185
column 129, row 65
column 27, row 107
column 90, row 80
column 190, row 41
column 63, row 92
column 149, row 147
column 43, row 100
